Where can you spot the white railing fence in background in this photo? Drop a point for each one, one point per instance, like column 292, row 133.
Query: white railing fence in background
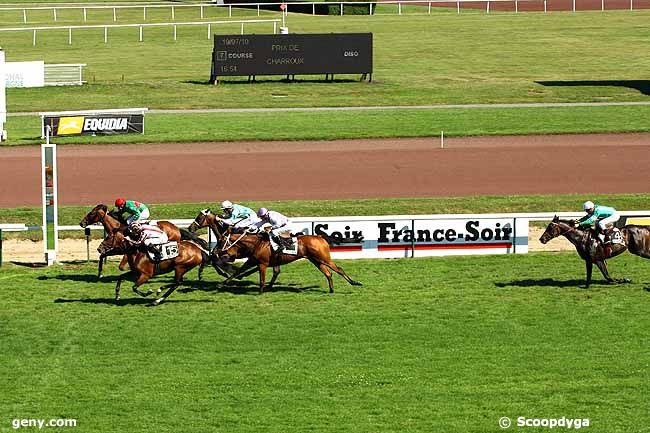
column 141, row 27
column 64, row 74
column 54, row 11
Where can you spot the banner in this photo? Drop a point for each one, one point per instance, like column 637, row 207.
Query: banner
column 25, row 74
column 96, row 124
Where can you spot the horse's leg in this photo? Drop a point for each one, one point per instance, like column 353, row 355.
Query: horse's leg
column 100, row 267
column 590, row 266
column 123, row 263
column 333, row 266
column 140, row 281
column 276, row 273
column 262, row 270
column 119, row 285
column 201, row 266
column 326, row 271
column 246, row 266
column 179, row 272
column 602, row 265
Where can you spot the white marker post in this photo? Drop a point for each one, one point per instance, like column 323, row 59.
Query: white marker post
column 49, row 185
column 3, row 99
column 442, row 140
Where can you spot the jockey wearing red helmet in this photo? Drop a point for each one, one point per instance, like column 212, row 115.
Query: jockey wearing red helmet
column 137, row 211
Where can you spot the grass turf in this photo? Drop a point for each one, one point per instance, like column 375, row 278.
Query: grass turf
column 426, row 345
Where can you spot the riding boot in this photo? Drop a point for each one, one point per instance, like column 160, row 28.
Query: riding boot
column 278, row 243
column 155, row 250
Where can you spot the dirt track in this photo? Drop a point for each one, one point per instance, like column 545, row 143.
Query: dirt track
column 198, row 172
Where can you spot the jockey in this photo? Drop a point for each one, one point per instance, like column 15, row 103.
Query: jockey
column 602, row 215
column 137, row 211
column 277, row 225
column 238, row 216
column 149, row 235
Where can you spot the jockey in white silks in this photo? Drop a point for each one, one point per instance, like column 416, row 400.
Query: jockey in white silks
column 149, row 235
column 277, row 225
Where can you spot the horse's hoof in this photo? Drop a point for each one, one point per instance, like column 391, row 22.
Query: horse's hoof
column 156, row 302
column 159, row 291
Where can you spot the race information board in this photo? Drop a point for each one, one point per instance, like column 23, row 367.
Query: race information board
column 291, row 54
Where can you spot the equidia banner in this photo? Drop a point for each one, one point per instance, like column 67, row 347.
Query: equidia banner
column 96, row 124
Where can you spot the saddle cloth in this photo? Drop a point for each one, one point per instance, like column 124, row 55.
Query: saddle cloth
column 167, row 251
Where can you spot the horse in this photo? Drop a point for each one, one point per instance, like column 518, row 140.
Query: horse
column 206, row 218
column 190, row 254
column 100, row 214
column 636, row 239
column 314, row 248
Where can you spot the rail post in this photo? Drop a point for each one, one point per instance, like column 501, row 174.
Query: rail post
column 87, row 233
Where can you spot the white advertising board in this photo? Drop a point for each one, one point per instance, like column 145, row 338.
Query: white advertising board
column 420, row 237
column 25, row 74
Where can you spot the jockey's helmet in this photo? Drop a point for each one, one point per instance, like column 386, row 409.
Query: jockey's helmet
column 226, row 204
column 119, row 202
column 588, row 205
column 262, row 212
column 135, row 229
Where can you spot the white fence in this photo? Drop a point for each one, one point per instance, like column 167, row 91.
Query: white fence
column 53, row 11
column 140, row 27
column 396, row 236
column 64, row 74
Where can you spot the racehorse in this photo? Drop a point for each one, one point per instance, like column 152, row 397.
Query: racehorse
column 206, row 218
column 190, row 254
column 100, row 214
column 636, row 239
column 312, row 247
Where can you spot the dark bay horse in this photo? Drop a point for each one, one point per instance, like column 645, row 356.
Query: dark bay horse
column 100, row 214
column 313, row 248
column 636, row 239
column 191, row 254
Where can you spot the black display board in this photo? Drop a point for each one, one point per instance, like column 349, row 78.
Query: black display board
column 291, row 54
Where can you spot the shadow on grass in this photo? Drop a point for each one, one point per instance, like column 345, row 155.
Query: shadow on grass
column 127, row 301
column 642, row 86
column 276, row 80
column 544, row 282
column 244, row 287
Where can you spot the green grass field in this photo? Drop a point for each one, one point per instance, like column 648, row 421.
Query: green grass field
column 426, row 345
column 418, row 60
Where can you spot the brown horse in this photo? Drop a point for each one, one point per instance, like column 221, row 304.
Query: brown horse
column 313, row 248
column 206, row 218
column 100, row 214
column 190, row 255
column 636, row 239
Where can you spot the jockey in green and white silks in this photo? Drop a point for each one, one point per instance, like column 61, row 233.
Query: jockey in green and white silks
column 602, row 215
column 238, row 216
column 137, row 211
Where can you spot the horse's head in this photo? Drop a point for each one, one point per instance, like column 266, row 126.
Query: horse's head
column 114, row 243
column 94, row 216
column 555, row 228
column 201, row 220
